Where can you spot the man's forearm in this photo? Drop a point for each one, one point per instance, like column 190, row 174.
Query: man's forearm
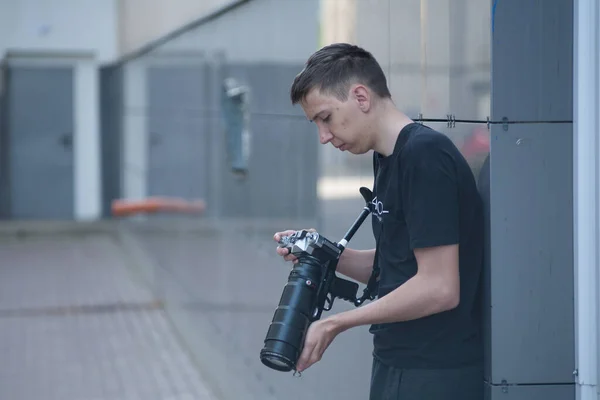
column 357, row 264
column 418, row 297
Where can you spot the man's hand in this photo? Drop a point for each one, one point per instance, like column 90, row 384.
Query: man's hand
column 319, row 336
column 283, row 252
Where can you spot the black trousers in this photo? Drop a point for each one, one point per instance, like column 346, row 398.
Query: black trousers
column 388, row 383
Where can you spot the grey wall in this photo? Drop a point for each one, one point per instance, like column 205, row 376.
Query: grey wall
column 529, row 267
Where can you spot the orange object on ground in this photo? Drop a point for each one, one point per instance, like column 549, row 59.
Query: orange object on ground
column 153, row 205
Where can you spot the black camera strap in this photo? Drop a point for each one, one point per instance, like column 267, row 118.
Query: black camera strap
column 371, row 290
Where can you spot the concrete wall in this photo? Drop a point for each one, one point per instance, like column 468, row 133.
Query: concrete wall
column 107, row 28
column 143, row 21
column 256, row 31
column 59, row 26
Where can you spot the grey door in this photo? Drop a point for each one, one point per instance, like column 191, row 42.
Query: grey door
column 40, row 126
column 177, row 129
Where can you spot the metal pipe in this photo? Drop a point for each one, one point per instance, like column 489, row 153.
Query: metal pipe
column 586, row 127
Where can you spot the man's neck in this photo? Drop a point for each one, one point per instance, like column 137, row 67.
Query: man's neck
column 390, row 121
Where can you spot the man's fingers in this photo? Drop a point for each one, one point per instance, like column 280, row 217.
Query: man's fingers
column 310, row 358
column 304, row 360
column 278, row 235
column 282, row 251
column 285, row 253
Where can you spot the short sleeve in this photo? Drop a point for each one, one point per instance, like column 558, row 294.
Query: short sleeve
column 430, row 196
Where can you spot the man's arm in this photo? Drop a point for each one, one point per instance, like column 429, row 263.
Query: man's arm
column 357, row 264
column 435, row 288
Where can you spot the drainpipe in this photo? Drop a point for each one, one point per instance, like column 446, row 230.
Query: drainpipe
column 586, row 148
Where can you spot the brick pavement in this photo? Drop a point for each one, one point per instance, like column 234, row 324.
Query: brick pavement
column 77, row 324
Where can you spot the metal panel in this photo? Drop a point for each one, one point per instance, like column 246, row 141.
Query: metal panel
column 531, row 271
column 537, row 392
column 177, row 109
column 4, row 150
column 532, row 60
column 484, row 185
column 40, row 123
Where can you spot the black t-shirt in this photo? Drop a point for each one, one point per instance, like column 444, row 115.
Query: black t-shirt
column 426, row 195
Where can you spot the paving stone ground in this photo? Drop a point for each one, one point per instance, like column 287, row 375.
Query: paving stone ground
column 76, row 324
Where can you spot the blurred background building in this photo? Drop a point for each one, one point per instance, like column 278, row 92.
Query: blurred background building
column 128, row 99
column 112, row 67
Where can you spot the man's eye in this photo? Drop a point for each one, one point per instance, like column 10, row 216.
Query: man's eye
column 327, row 118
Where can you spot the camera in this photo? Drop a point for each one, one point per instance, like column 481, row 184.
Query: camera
column 311, row 288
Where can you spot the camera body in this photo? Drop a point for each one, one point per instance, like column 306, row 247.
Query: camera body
column 306, row 243
column 311, row 288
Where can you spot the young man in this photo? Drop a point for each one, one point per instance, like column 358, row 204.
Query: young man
column 428, row 227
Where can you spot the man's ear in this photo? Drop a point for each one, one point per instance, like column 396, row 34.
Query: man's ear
column 362, row 96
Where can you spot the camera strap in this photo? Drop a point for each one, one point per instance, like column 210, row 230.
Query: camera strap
column 371, row 290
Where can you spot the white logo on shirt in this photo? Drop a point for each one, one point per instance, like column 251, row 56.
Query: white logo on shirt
column 377, row 208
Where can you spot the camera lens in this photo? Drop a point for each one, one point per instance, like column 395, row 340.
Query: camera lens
column 292, row 317
column 276, row 361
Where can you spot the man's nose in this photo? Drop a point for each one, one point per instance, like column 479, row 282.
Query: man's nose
column 325, row 136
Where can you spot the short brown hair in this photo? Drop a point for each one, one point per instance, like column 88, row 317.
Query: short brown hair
column 334, row 68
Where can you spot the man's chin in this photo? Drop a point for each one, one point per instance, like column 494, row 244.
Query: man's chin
column 350, row 149
column 356, row 151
